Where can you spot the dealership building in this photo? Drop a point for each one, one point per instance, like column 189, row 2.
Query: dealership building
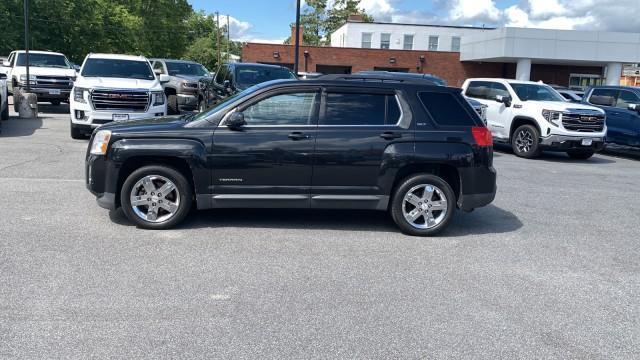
column 562, row 57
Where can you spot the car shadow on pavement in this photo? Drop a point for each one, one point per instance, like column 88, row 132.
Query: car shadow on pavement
column 551, row 156
column 47, row 108
column 16, row 127
column 621, row 151
column 490, row 219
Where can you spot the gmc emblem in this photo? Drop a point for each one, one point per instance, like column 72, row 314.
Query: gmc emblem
column 589, row 118
column 118, row 96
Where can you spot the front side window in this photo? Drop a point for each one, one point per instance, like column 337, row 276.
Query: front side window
column 222, row 75
column 116, row 68
column 43, row 60
column 385, row 41
column 360, row 109
column 158, row 67
column 627, row 98
column 366, row 40
column 293, row 109
column 455, row 43
column 535, row 92
column 408, row 42
column 603, row 97
column 433, row 43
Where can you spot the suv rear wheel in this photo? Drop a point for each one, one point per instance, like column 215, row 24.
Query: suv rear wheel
column 526, row 142
column 156, row 197
column 423, row 205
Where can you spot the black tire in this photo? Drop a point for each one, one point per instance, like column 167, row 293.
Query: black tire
column 525, row 142
column 76, row 133
column 5, row 113
column 55, row 102
column 184, row 196
column 398, row 206
column 172, row 105
column 16, row 97
column 580, row 154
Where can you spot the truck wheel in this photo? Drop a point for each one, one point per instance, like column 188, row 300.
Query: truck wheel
column 55, row 102
column 5, row 113
column 423, row 205
column 172, row 105
column 526, row 142
column 156, row 197
column 16, row 99
column 76, row 133
column 580, row 154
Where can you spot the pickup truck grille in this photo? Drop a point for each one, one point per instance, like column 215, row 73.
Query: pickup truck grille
column 583, row 122
column 54, row 82
column 120, row 100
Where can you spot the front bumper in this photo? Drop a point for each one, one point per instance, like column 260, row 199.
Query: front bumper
column 49, row 93
column 187, row 101
column 566, row 142
column 101, row 180
column 83, row 115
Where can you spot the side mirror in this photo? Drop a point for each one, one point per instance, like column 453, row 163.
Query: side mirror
column 506, row 100
column 632, row 107
column 164, row 78
column 6, row 63
column 76, row 68
column 235, row 121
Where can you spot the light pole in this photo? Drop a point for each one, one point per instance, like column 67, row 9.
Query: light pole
column 26, row 41
column 296, row 57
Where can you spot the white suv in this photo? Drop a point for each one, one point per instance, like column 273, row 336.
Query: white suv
column 115, row 88
column 532, row 117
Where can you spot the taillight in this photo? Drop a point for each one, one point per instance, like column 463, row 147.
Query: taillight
column 482, row 136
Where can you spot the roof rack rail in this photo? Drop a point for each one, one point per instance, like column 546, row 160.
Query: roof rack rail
column 377, row 77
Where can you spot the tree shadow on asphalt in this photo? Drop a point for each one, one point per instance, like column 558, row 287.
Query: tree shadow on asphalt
column 487, row 220
column 16, row 127
column 550, row 156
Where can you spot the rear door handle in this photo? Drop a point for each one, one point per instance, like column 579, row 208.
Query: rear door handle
column 390, row 135
column 298, row 136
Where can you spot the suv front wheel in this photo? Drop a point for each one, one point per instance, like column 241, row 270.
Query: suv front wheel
column 423, row 205
column 156, row 197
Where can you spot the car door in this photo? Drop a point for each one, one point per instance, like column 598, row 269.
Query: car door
column 268, row 161
column 606, row 100
column 629, row 120
column 356, row 127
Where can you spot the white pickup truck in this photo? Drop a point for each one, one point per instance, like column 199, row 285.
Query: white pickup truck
column 532, row 117
column 51, row 75
column 115, row 88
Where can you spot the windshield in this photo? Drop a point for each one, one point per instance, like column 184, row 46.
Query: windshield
column 247, row 76
column 43, row 60
column 116, row 68
column 185, row 68
column 536, row 92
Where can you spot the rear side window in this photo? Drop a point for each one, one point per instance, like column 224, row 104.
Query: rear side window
column 627, row 98
column 360, row 109
column 603, row 97
column 486, row 90
column 445, row 109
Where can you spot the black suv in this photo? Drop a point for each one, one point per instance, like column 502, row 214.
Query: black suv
column 233, row 78
column 343, row 142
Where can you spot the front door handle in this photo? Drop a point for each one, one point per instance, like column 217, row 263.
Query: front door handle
column 390, row 135
column 298, row 136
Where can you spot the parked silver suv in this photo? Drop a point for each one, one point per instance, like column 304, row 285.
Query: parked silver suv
column 182, row 88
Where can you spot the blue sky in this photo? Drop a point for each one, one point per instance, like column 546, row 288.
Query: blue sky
column 268, row 20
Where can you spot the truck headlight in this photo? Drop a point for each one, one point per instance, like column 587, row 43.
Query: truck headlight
column 78, row 94
column 32, row 79
column 100, row 142
column 552, row 116
column 190, row 85
column 158, row 98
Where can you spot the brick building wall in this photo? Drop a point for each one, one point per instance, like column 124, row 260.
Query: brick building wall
column 446, row 65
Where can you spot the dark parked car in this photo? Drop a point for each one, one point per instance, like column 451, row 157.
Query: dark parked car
column 232, row 78
column 417, row 151
column 182, row 88
column 622, row 105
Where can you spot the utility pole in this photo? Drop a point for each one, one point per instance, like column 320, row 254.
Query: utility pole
column 296, row 57
column 26, row 41
column 228, row 38
column 218, row 34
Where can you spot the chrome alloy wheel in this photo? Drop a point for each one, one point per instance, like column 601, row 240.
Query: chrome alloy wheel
column 424, row 206
column 155, row 198
column 524, row 141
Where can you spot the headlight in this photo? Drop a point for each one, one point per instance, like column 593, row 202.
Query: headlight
column 158, row 98
column 78, row 94
column 100, row 142
column 553, row 117
column 190, row 85
column 32, row 79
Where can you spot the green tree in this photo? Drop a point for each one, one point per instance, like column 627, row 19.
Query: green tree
column 340, row 12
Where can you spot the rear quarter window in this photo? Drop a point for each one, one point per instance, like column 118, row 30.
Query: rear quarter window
column 446, row 110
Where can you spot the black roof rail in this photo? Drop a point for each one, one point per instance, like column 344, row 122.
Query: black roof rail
column 376, row 77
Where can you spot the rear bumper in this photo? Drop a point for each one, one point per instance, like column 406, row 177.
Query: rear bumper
column 478, row 187
column 564, row 142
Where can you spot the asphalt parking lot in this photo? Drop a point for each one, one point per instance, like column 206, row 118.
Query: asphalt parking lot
column 550, row 270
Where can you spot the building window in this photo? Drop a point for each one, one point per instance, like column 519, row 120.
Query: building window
column 408, row 42
column 385, row 41
column 455, row 43
column 433, row 43
column 366, row 40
